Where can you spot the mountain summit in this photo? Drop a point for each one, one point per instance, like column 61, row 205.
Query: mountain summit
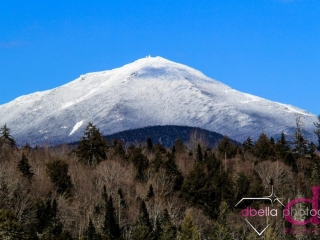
column 150, row 91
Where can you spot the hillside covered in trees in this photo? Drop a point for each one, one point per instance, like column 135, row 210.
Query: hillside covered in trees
column 109, row 190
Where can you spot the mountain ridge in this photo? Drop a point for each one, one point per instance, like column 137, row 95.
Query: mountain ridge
column 147, row 92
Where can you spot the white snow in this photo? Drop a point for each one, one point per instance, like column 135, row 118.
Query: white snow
column 76, row 127
column 149, row 91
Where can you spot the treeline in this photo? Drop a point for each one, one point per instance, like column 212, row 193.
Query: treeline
column 106, row 190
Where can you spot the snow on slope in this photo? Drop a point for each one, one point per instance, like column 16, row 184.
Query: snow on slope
column 150, row 91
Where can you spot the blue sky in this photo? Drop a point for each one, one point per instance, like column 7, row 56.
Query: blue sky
column 269, row 48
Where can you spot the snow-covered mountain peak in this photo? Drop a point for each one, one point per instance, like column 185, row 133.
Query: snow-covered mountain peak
column 149, row 91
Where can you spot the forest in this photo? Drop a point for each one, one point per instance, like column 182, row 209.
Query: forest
column 111, row 190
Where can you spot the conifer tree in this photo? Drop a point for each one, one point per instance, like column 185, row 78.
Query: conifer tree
column 290, row 160
column 315, row 172
column 10, row 228
column 111, row 228
column 263, row 147
column 104, row 194
column 27, row 147
column 90, row 233
column 157, row 162
column 300, row 143
column 179, row 146
column 140, row 162
column 150, row 193
column 241, row 186
column 143, row 218
column 149, row 144
column 92, row 146
column 123, row 202
column 122, row 205
column 317, row 131
column 6, row 138
column 168, row 231
column 312, row 149
column 143, row 226
column 194, row 185
column 199, row 155
column 226, row 148
column 202, row 187
column 47, row 218
column 58, row 173
column 282, row 146
column 247, row 145
column 188, row 230
column 221, row 229
column 24, row 167
column 272, row 141
column 173, row 172
column 140, row 232
column 118, row 148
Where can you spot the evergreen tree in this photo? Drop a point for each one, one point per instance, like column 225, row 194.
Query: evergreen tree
column 143, row 226
column 300, row 143
column 272, row 141
column 168, row 231
column 143, row 218
column 27, row 147
column 315, row 172
column 149, row 144
column 226, row 148
column 157, row 162
column 221, row 229
column 193, row 187
column 241, row 186
column 282, row 146
column 179, row 146
column 92, row 146
column 111, row 228
column 58, row 174
column 188, row 230
column 199, row 155
column 10, row 228
column 312, row 149
column 150, row 193
column 317, row 131
column 160, row 149
column 6, row 138
column 90, row 233
column 263, row 147
column 202, row 187
column 24, row 167
column 123, row 202
column 140, row 162
column 104, row 194
column 290, row 160
column 140, row 232
column 47, row 220
column 247, row 145
column 173, row 172
column 118, row 148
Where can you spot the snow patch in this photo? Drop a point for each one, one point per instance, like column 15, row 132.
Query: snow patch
column 76, row 127
column 295, row 110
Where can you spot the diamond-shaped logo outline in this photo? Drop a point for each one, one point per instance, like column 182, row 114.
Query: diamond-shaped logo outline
column 272, row 198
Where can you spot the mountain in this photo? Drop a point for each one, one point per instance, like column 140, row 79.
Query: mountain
column 148, row 92
column 166, row 135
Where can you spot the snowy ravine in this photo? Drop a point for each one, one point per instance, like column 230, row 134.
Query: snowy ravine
column 150, row 91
